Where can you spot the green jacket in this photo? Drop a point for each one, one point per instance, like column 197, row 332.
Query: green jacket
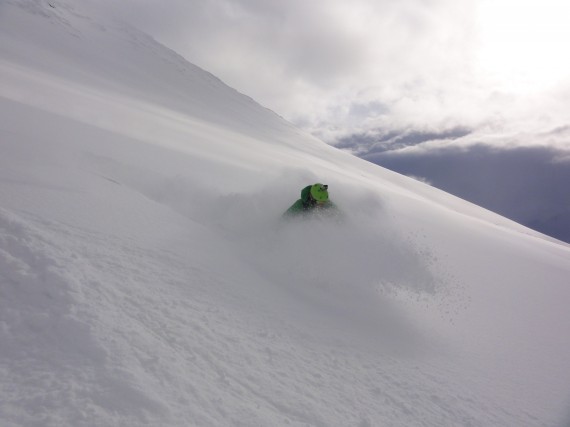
column 306, row 205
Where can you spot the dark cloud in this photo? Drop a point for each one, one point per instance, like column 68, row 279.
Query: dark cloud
column 559, row 131
column 371, row 143
column 527, row 184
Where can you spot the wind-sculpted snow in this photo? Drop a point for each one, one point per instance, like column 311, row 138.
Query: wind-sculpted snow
column 148, row 278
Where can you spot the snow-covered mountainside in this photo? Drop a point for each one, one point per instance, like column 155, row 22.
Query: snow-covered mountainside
column 147, row 278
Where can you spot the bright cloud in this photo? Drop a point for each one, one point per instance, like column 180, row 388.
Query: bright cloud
column 340, row 68
column 522, row 45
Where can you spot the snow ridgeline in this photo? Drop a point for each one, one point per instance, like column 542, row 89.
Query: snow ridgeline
column 146, row 277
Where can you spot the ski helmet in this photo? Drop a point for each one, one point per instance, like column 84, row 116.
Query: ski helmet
column 319, row 192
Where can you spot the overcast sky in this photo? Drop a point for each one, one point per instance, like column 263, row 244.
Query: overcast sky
column 339, row 67
column 408, row 77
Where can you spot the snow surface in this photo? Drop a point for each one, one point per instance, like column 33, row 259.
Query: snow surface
column 147, row 278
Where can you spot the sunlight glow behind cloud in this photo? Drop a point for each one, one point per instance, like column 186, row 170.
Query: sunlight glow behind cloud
column 523, row 45
column 338, row 68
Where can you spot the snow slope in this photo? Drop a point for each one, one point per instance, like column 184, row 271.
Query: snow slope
column 146, row 277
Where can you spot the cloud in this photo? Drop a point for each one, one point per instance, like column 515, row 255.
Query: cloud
column 526, row 184
column 340, row 68
column 320, row 63
column 378, row 141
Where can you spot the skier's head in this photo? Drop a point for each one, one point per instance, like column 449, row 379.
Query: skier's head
column 319, row 193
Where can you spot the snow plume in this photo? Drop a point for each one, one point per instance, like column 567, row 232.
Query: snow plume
column 361, row 244
column 339, row 268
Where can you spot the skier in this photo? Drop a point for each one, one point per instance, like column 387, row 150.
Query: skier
column 314, row 200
